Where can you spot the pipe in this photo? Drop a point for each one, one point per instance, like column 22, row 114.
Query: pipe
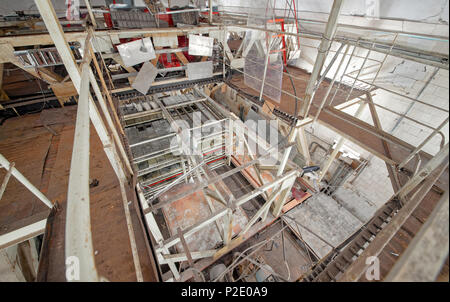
column 322, row 53
column 425, row 141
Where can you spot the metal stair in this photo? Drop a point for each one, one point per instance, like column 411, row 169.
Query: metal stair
column 43, row 57
column 335, row 263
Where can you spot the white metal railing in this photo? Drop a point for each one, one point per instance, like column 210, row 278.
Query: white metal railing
column 78, row 241
column 19, row 176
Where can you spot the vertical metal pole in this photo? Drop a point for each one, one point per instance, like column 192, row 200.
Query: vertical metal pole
column 265, row 67
column 224, row 46
column 91, row 14
column 331, row 84
column 359, row 71
column 302, row 145
column 425, row 141
column 321, row 55
column 343, row 74
column 210, row 11
column 230, row 140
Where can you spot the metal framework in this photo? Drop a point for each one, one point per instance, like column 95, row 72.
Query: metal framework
column 159, row 164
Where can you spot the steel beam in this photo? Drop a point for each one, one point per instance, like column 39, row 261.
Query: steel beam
column 324, row 47
column 23, row 234
column 426, row 253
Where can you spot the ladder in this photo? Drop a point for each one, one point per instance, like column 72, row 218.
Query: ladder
column 43, row 57
column 283, row 38
column 335, row 263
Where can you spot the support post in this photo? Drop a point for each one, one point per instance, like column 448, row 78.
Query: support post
column 284, row 193
column 54, row 28
column 324, row 47
column 324, row 100
column 302, row 145
column 265, row 67
column 376, row 121
column 91, row 14
column 210, row 11
column 78, row 241
column 230, row 140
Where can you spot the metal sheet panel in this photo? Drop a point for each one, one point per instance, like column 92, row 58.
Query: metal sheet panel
column 200, row 46
column 132, row 54
column 166, row 41
column 145, row 78
column 199, row 70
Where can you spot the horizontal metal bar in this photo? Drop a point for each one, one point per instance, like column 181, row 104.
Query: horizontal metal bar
column 22, row 234
column 23, row 180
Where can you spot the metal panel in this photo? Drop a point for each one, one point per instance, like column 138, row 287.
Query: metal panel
column 132, row 53
column 200, row 46
column 166, row 41
column 145, row 78
column 200, row 70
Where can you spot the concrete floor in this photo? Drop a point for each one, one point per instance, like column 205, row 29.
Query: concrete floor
column 326, row 220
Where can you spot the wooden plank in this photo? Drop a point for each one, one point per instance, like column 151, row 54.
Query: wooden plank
column 182, row 58
column 64, row 89
column 294, row 202
column 185, row 247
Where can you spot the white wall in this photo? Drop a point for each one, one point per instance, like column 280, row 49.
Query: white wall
column 418, row 10
column 28, row 6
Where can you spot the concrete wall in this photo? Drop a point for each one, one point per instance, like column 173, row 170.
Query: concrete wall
column 418, row 10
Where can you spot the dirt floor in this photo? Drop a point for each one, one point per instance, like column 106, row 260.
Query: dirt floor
column 41, row 146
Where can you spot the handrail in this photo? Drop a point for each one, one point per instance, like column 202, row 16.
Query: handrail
column 19, row 176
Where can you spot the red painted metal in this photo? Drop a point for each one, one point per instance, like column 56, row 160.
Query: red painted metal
column 108, row 20
column 281, row 21
column 216, row 160
column 155, row 183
